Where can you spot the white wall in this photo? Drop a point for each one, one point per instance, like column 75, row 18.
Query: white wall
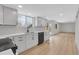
column 67, row 27
column 77, row 32
column 52, row 28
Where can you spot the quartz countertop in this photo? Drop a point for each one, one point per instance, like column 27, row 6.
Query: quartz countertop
column 10, row 35
column 16, row 34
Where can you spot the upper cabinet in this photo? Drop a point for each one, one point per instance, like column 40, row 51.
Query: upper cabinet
column 25, row 21
column 41, row 22
column 21, row 20
column 8, row 16
column 29, row 20
column 1, row 14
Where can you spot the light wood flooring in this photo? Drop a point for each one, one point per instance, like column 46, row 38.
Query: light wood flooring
column 59, row 44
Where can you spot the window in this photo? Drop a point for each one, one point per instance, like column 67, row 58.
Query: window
column 25, row 21
column 21, row 20
column 29, row 20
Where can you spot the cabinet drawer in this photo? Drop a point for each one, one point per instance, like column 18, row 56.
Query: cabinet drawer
column 19, row 38
column 21, row 46
column 16, row 39
column 36, row 36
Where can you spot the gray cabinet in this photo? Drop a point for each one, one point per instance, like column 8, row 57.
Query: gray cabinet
column 1, row 14
column 10, row 16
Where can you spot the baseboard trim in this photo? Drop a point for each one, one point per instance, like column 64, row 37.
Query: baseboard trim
column 67, row 32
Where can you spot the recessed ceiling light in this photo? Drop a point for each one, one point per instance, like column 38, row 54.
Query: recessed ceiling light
column 20, row 6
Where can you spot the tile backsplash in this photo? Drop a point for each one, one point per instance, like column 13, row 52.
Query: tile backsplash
column 10, row 30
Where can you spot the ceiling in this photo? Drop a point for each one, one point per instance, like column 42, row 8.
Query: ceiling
column 58, row 12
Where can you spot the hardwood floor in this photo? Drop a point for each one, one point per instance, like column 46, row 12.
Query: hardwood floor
column 60, row 44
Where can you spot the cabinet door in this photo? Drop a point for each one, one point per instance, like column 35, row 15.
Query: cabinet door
column 10, row 16
column 46, row 36
column 21, row 46
column 29, row 41
column 21, row 43
column 35, row 40
column 1, row 14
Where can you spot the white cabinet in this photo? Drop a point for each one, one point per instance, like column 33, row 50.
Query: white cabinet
column 41, row 21
column 1, row 14
column 35, row 39
column 10, row 16
column 20, row 41
column 31, row 41
column 26, row 41
column 46, row 36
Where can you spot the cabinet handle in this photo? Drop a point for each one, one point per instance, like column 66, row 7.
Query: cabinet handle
column 19, row 37
column 20, row 40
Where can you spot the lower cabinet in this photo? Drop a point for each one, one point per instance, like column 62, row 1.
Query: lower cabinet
column 46, row 36
column 21, row 46
column 31, row 40
column 25, row 42
column 35, row 39
column 20, row 41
